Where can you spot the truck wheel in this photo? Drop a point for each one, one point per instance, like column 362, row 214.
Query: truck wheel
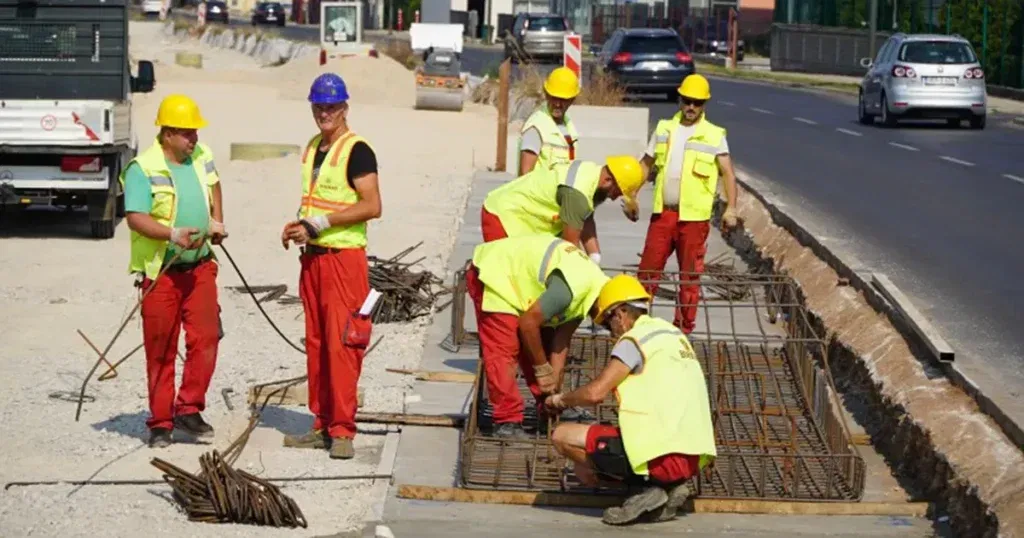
column 102, row 229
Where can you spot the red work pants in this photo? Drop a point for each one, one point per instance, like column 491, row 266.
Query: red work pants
column 333, row 286
column 491, row 226
column 689, row 240
column 179, row 297
column 501, row 355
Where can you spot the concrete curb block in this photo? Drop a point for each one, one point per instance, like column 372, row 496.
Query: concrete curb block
column 971, row 483
column 269, row 51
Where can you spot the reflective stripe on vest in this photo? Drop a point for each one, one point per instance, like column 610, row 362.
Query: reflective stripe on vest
column 664, row 408
column 696, row 167
column 328, row 191
column 515, row 270
column 147, row 255
column 558, row 142
column 529, row 205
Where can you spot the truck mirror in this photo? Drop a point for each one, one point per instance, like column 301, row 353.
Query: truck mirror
column 865, row 63
column 146, row 79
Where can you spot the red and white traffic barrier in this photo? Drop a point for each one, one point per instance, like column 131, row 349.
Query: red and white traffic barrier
column 572, row 55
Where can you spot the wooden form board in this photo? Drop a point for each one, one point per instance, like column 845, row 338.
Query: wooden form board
column 705, row 506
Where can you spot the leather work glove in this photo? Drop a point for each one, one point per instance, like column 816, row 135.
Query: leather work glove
column 630, row 209
column 318, row 224
column 546, row 378
column 184, row 238
column 729, row 220
column 217, row 231
column 596, row 257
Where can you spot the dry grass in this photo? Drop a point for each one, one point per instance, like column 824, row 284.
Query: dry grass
column 599, row 89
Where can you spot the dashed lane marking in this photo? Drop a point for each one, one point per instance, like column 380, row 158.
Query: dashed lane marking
column 849, row 132
column 1014, row 178
column 727, row 103
column 954, row 160
column 805, row 120
column 903, row 146
column 761, row 110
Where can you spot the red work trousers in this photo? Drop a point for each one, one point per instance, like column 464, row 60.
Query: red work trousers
column 689, row 240
column 501, row 355
column 491, row 226
column 179, row 297
column 333, row 286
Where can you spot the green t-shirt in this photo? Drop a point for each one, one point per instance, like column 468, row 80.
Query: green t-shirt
column 573, row 206
column 192, row 210
column 557, row 296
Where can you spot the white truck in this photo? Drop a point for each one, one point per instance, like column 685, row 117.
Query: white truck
column 65, row 105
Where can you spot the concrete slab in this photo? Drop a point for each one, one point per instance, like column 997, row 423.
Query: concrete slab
column 429, row 456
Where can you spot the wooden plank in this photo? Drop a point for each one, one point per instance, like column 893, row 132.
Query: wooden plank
column 294, row 395
column 924, row 328
column 408, row 419
column 705, row 506
column 443, row 377
column 860, row 439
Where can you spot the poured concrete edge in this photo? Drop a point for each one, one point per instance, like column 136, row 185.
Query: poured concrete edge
column 927, row 425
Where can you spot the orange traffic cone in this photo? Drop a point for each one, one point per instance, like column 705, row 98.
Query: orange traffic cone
column 323, row 57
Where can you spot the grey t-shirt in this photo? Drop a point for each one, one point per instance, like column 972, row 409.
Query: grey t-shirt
column 627, row 351
column 670, row 189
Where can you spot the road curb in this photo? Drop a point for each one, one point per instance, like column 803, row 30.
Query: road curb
column 1019, row 120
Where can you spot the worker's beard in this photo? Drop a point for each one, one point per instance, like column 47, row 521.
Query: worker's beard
column 600, row 195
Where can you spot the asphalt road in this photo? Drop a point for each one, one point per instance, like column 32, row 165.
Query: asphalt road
column 940, row 210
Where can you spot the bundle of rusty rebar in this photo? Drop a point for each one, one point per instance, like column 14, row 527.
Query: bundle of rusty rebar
column 220, row 494
column 405, row 294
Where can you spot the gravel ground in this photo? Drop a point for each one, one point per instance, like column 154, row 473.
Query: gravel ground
column 57, row 280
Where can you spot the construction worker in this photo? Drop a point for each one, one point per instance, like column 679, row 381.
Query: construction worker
column 172, row 201
column 665, row 435
column 520, row 285
column 548, row 136
column 560, row 200
column 689, row 154
column 339, row 195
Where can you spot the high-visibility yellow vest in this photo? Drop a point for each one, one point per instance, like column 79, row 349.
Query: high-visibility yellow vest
column 514, row 271
column 554, row 148
column 697, row 171
column 528, row 205
column 664, row 409
column 330, row 192
column 147, row 255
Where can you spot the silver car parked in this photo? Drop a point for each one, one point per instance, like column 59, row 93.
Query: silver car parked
column 923, row 76
column 537, row 36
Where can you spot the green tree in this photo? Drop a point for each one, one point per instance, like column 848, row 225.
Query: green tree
column 991, row 32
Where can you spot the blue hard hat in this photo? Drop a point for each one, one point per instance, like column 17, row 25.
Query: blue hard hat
column 328, row 89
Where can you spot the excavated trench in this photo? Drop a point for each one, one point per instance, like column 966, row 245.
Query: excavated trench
column 931, row 432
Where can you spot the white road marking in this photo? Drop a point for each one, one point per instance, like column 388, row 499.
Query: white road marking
column 805, row 120
column 849, row 132
column 1015, row 178
column 761, row 110
column 727, row 103
column 903, row 146
column 956, row 161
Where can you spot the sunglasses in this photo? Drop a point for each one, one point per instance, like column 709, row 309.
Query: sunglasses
column 695, row 102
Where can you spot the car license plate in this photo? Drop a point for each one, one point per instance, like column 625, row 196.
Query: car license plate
column 271, row 18
column 940, row 81
column 654, row 65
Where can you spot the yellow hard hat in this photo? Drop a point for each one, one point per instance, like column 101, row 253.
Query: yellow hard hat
column 627, row 173
column 695, row 87
column 179, row 111
column 619, row 289
column 562, row 83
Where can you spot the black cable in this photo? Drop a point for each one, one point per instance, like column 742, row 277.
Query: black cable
column 257, row 301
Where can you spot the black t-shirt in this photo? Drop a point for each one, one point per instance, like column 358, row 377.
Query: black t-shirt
column 361, row 161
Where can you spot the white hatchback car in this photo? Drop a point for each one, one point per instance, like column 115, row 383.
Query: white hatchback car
column 924, row 76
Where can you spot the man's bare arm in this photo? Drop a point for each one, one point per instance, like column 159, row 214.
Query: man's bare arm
column 589, row 237
column 560, row 344
column 368, row 207
column 145, row 225
column 217, row 211
column 527, row 160
column 728, row 179
column 529, row 334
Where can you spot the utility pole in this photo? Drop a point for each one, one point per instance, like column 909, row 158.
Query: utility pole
column 872, row 22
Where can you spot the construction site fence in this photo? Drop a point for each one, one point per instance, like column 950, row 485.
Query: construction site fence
column 821, row 35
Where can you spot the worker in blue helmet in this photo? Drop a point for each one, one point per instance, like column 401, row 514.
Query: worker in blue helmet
column 339, row 195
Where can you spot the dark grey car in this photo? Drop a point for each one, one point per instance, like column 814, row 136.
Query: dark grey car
column 647, row 60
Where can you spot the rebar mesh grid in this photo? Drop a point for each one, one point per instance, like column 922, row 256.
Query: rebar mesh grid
column 779, row 429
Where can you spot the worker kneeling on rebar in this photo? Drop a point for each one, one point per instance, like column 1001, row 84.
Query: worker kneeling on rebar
column 665, row 435
column 560, row 200
column 530, row 295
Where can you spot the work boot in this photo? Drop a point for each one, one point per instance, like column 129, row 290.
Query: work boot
column 159, row 438
column 647, row 500
column 342, row 449
column 193, row 424
column 677, row 497
column 311, row 439
column 576, row 414
column 511, row 431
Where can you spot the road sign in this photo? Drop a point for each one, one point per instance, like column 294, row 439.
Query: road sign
column 572, row 55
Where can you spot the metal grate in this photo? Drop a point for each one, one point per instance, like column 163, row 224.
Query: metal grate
column 33, row 42
column 778, row 426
